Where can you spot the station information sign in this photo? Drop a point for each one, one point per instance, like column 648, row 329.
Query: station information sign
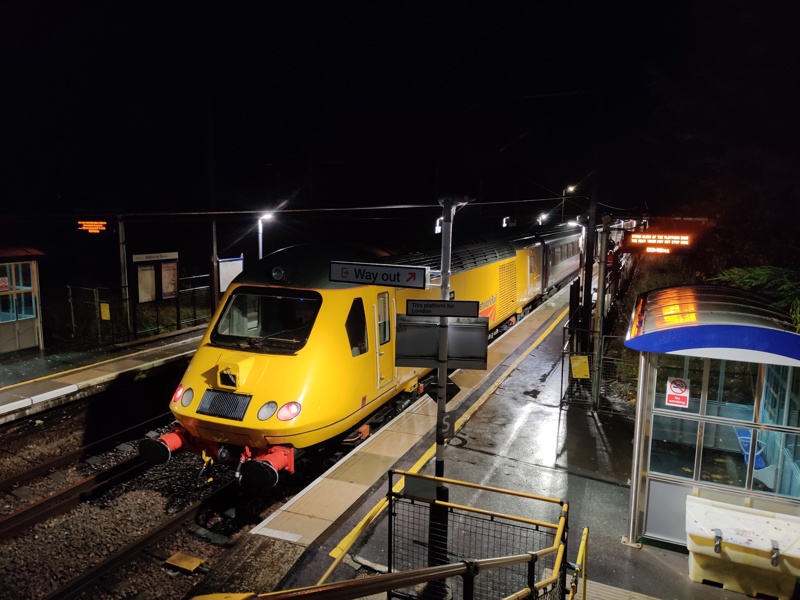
column 657, row 243
column 379, row 274
column 92, row 226
column 442, row 308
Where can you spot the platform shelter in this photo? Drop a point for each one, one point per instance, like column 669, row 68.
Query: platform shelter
column 20, row 313
column 718, row 407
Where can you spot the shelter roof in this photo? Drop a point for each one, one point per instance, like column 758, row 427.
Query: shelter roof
column 19, row 252
column 713, row 322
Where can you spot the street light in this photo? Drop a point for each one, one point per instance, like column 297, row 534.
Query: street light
column 542, row 218
column 261, row 219
column 570, row 189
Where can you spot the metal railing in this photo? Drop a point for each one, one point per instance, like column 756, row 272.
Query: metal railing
column 618, row 371
column 108, row 315
column 536, row 572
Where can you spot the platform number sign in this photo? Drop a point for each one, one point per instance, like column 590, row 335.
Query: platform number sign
column 677, row 392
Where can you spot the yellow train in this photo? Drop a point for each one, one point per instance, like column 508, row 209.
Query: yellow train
column 292, row 361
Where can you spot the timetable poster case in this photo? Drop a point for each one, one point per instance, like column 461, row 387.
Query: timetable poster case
column 147, row 278
column 169, row 280
column 147, row 283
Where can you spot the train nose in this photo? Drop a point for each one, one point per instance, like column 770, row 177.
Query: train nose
column 259, row 475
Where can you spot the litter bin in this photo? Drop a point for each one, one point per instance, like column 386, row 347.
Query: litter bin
column 745, row 550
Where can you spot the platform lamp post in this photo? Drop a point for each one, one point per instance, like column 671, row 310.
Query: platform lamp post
column 261, row 219
column 438, row 527
column 568, row 189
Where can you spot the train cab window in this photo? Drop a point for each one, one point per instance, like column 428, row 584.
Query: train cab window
column 267, row 322
column 384, row 328
column 356, row 327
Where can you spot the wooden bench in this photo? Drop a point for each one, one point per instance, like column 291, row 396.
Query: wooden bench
column 762, row 471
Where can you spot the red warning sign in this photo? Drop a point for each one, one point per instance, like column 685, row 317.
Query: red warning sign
column 677, row 392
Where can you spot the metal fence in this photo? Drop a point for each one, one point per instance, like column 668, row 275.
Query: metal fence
column 108, row 315
column 426, row 531
column 619, row 369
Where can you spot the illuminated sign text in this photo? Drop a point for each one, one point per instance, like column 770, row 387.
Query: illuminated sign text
column 657, row 243
column 92, row 226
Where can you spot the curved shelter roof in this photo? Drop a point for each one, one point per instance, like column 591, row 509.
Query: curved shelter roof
column 713, row 322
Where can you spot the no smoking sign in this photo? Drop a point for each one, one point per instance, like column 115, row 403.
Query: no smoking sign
column 677, row 392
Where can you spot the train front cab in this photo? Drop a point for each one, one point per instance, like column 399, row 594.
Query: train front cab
column 718, row 416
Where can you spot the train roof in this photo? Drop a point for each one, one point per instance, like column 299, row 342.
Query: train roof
column 713, row 322
column 308, row 265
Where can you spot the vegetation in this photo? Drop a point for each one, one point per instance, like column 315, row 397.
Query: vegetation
column 779, row 285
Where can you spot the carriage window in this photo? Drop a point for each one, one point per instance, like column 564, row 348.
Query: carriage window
column 356, row 326
column 384, row 330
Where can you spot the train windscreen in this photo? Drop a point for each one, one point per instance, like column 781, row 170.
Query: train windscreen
column 263, row 320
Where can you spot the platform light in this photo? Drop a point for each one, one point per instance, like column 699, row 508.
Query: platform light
column 438, row 227
column 265, row 217
column 509, row 222
column 567, row 190
column 542, row 218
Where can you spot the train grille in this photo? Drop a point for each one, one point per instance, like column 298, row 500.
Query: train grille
column 507, row 298
column 224, row 405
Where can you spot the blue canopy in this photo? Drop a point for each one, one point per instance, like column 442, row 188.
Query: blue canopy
column 713, row 322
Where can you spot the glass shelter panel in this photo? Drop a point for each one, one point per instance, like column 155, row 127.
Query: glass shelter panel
column 25, row 306
column 7, row 312
column 23, row 280
column 674, row 442
column 6, row 281
column 686, row 369
column 722, row 460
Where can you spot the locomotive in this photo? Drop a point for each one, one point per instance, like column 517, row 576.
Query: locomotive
column 292, row 361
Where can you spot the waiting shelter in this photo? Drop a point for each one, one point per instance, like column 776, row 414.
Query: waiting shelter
column 20, row 315
column 716, row 458
column 718, row 415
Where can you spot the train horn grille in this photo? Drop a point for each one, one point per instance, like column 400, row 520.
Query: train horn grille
column 224, row 405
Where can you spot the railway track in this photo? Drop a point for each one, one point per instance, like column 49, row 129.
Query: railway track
column 94, row 573
column 94, row 448
column 60, row 502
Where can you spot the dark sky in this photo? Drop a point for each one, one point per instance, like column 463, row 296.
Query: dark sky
column 178, row 106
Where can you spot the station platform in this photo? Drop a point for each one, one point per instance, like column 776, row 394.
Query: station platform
column 511, row 433
column 33, row 381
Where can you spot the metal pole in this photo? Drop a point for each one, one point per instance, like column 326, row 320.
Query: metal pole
column 586, row 312
column 449, row 206
column 123, row 269
column 642, row 396
column 438, row 526
column 599, row 312
column 214, row 267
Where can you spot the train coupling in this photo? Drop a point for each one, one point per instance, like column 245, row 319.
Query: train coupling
column 259, row 469
column 159, row 450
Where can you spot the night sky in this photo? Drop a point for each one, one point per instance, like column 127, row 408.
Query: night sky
column 185, row 106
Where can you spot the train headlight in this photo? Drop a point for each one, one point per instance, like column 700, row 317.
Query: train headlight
column 289, row 411
column 266, row 411
column 187, row 397
column 278, row 273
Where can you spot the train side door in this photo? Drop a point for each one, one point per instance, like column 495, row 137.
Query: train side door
column 535, row 271
column 384, row 344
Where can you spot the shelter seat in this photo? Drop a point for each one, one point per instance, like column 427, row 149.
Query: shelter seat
column 762, row 471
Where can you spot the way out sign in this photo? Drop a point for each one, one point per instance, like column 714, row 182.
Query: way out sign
column 677, row 392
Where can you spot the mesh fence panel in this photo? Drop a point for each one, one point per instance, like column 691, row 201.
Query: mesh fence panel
column 418, row 540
